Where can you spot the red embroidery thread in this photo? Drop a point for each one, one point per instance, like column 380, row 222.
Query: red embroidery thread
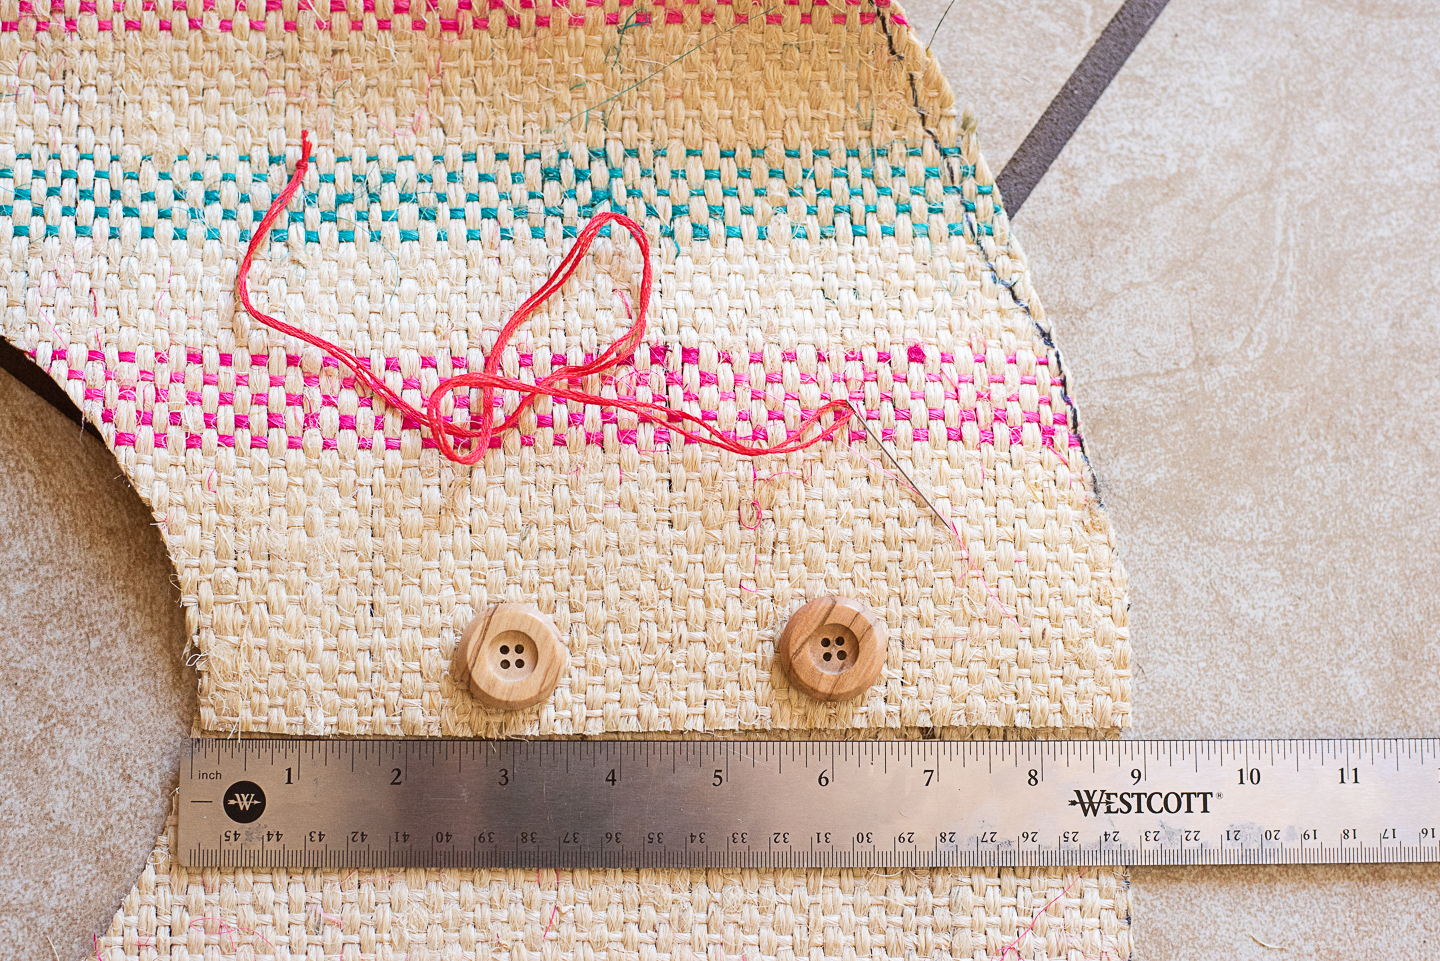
column 557, row 384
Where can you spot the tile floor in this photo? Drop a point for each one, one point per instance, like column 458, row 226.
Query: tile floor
column 1241, row 252
column 97, row 700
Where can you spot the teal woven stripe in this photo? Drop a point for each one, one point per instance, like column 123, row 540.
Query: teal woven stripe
column 191, row 204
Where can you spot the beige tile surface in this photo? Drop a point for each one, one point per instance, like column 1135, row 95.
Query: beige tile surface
column 1244, row 267
column 1361, row 912
column 97, row 699
column 1241, row 251
column 1006, row 59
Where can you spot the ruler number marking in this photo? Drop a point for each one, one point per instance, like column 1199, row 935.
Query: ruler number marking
column 883, row 820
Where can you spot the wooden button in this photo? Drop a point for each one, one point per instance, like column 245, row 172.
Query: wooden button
column 832, row 648
column 511, row 656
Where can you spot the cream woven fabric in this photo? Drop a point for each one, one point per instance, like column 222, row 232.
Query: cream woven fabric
column 809, row 189
column 622, row 915
column 823, row 226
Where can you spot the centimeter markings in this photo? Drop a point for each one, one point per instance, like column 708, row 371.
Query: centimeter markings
column 798, row 804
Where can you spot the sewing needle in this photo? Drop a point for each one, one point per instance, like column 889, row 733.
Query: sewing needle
column 892, row 458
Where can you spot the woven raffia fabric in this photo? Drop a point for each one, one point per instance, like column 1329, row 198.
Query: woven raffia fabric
column 643, row 915
column 822, row 227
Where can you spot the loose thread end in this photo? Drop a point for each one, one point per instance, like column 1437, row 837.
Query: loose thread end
column 488, row 380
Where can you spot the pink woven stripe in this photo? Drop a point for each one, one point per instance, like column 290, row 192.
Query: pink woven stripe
column 253, row 429
column 128, row 15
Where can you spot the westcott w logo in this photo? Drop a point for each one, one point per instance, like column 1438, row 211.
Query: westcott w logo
column 244, row 801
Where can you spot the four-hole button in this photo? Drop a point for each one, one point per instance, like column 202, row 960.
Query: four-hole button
column 511, row 656
column 832, row 648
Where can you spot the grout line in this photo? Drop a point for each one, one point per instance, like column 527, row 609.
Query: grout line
column 1075, row 100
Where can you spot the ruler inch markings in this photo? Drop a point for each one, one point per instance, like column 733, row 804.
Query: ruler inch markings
column 329, row 803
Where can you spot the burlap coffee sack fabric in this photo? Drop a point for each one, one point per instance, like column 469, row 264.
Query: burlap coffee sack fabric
column 822, row 226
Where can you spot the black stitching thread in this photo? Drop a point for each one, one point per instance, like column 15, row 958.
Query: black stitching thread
column 915, row 101
column 974, row 229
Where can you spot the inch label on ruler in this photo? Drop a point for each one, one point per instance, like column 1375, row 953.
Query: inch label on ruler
column 525, row 804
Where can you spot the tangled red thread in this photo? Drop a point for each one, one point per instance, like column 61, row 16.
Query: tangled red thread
column 560, row 384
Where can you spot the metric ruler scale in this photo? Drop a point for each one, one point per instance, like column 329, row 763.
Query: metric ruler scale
column 799, row 804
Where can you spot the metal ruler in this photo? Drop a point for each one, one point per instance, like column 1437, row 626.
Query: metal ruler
column 796, row 804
